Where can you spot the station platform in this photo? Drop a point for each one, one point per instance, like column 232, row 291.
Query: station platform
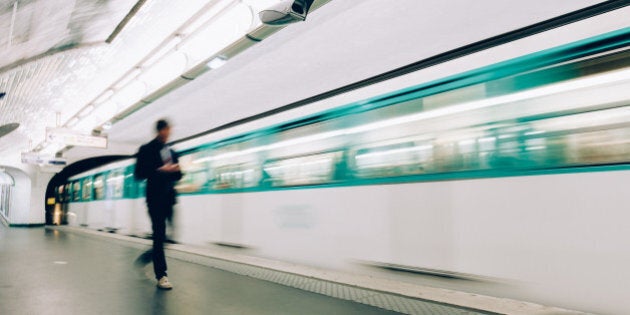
column 60, row 270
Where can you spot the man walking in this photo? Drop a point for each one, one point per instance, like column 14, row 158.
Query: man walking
column 157, row 163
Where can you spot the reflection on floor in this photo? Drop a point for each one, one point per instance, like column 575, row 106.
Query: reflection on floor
column 53, row 272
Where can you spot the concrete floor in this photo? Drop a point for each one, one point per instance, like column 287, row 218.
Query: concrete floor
column 53, row 272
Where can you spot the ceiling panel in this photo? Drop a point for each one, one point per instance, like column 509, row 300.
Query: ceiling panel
column 66, row 81
column 33, row 27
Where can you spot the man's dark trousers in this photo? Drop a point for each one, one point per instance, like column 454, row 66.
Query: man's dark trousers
column 159, row 214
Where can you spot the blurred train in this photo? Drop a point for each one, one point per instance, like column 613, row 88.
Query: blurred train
column 518, row 171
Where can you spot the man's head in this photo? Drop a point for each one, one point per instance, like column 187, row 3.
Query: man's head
column 163, row 129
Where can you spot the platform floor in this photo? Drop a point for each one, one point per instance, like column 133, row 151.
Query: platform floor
column 53, row 272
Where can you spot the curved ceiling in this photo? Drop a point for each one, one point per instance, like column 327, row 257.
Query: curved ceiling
column 35, row 27
column 58, row 60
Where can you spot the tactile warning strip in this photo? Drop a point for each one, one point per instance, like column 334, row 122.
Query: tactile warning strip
column 341, row 291
column 384, row 300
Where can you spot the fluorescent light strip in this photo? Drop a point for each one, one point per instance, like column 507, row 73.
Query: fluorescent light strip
column 114, row 179
column 301, row 164
column 540, row 147
column 530, row 133
column 394, row 151
column 238, row 172
column 217, row 62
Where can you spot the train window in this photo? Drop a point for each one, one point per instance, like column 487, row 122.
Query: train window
column 599, row 137
column 232, row 166
column 142, row 191
column 115, row 183
column 76, row 191
column 304, row 170
column 394, row 159
column 302, row 141
column 195, row 170
column 237, row 176
column 99, row 187
column 67, row 193
column 87, row 189
column 130, row 189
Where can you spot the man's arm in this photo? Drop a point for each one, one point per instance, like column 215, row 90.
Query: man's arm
column 177, row 175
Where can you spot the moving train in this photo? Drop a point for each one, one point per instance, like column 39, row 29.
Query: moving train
column 517, row 171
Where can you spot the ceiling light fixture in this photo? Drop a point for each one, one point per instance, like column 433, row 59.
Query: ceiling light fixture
column 224, row 29
column 217, row 62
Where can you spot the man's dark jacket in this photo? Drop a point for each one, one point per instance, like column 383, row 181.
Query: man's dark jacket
column 160, row 185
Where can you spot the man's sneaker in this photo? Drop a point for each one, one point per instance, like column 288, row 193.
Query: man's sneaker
column 164, row 284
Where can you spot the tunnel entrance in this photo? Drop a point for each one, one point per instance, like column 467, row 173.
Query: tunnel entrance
column 56, row 193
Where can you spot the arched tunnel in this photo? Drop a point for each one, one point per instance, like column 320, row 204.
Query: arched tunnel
column 55, row 212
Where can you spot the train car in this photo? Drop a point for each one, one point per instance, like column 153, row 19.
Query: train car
column 517, row 170
column 108, row 199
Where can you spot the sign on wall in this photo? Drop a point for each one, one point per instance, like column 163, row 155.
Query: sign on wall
column 70, row 137
column 37, row 159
